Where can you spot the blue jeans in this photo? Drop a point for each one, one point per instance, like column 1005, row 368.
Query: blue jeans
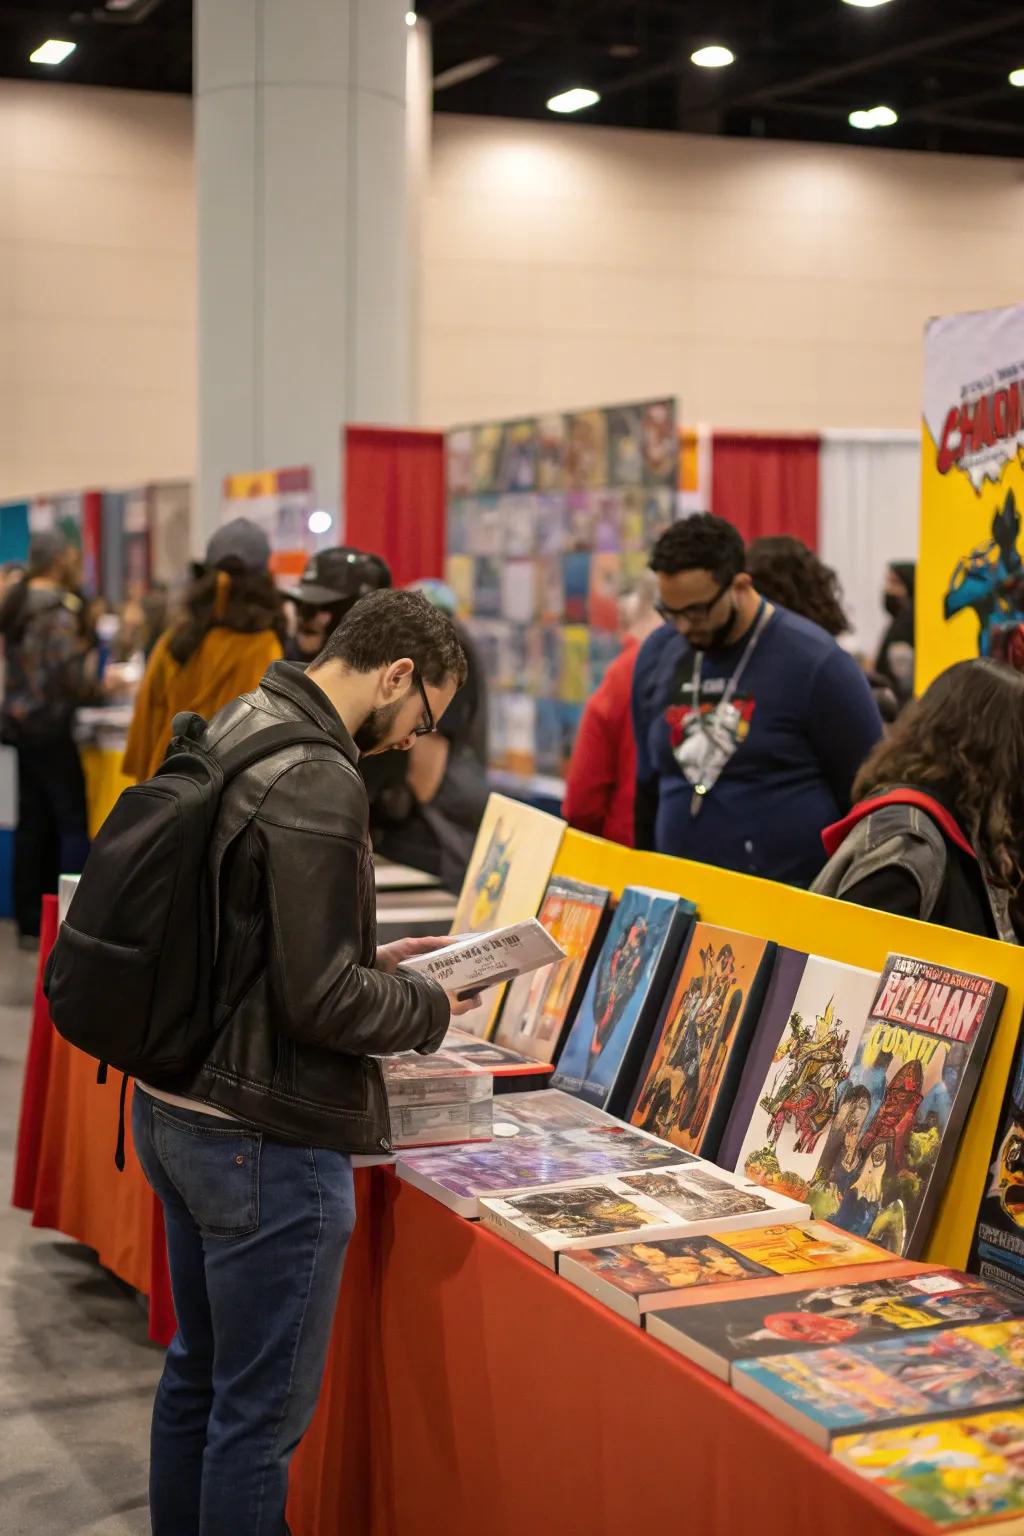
column 256, row 1239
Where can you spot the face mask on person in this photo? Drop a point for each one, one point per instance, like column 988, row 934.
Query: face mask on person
column 892, row 604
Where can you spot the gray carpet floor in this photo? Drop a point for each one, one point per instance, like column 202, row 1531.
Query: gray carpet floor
column 77, row 1374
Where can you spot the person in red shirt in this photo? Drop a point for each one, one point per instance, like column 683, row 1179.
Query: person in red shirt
column 601, row 781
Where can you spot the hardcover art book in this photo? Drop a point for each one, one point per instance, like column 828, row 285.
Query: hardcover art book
column 541, row 1111
column 885, row 1157
column 823, row 1393
column 702, row 1192
column 700, row 1045
column 801, row 1081
column 955, row 1472
column 539, row 1007
column 508, row 872
column 648, row 1277
column 855, row 1312
column 458, row 1176
column 605, row 1046
column 997, row 1252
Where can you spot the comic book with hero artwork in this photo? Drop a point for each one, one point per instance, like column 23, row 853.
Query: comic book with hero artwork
column 539, row 1008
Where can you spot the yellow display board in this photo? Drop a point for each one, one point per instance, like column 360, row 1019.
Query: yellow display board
column 856, row 936
column 970, row 573
column 104, row 781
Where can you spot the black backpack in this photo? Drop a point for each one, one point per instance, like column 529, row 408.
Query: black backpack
column 130, row 978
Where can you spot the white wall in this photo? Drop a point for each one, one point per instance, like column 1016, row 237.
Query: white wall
column 97, row 287
column 768, row 285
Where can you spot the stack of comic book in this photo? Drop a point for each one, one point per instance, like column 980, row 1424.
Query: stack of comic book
column 437, row 1099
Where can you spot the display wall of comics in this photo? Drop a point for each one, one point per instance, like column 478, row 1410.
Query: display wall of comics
column 550, row 519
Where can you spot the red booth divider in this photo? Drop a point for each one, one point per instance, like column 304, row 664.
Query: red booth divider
column 395, row 498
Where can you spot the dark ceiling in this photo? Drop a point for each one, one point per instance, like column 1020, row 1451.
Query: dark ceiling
column 801, row 65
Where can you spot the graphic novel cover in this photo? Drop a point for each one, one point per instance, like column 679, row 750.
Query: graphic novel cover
column 626, row 445
column 700, row 1044
column 575, row 664
column 517, row 467
column 902, row 1107
column 605, row 580
column 540, row 1111
column 551, row 589
column 581, row 1211
column 696, row 1194
column 758, row 1326
column 506, row 878
column 539, row 1007
column 519, row 521
column 576, row 574
column 661, row 444
column 997, row 1251
column 602, row 1053
column 551, row 435
column 803, row 1084
column 487, row 441
column 586, row 450
column 669, row 1264
column 914, row 1375
column 780, row 994
column 792, row 1250
column 952, row 1471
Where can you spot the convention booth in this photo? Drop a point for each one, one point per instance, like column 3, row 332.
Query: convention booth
column 459, row 1366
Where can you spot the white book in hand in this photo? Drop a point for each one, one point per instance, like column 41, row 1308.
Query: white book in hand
column 480, row 960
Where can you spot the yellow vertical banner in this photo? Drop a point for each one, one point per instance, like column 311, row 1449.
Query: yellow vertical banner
column 970, row 576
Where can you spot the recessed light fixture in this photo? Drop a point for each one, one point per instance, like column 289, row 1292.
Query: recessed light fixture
column 867, row 5
column 410, row 18
column 573, row 100
column 1016, row 77
column 873, row 117
column 53, row 51
column 320, row 522
column 712, row 57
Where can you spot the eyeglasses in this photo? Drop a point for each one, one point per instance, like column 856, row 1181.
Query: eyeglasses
column 429, row 725
column 693, row 613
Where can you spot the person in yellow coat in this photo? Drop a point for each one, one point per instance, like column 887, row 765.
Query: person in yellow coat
column 232, row 629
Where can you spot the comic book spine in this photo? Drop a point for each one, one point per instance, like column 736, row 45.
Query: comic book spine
column 745, row 1032
column 780, row 995
column 511, row 1233
column 623, row 1087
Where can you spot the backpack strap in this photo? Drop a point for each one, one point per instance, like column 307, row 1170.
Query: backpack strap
column 273, row 738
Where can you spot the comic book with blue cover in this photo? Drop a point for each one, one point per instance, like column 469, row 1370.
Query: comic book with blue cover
column 605, row 1047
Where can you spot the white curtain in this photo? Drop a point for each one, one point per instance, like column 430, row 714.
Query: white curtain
column 869, row 504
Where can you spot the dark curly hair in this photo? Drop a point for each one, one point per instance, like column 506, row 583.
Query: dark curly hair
column 700, row 543
column 250, row 605
column 386, row 626
column 786, row 572
column 964, row 738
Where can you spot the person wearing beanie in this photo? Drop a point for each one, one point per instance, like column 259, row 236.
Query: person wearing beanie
column 231, row 630
column 47, row 678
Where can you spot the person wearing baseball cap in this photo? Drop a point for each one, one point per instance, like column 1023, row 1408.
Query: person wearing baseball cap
column 332, row 583
column 231, row 630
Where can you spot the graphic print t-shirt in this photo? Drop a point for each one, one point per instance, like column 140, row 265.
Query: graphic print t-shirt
column 801, row 722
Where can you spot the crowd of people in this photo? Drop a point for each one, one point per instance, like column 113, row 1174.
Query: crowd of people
column 734, row 728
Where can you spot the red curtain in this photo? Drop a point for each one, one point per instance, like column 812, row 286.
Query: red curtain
column 395, row 498
column 766, row 484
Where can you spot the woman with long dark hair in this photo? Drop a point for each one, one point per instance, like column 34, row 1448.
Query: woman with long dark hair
column 935, row 832
column 790, row 575
column 231, row 630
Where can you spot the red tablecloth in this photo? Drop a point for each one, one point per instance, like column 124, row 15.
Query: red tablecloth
column 468, row 1389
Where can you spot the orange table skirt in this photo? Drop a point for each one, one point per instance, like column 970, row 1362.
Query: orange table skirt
column 468, row 1389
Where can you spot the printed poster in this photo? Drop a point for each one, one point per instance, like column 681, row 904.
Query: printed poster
column 970, row 577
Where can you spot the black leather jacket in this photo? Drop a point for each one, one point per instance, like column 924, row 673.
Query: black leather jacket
column 301, row 1011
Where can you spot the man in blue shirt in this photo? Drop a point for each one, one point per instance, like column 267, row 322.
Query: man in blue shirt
column 750, row 722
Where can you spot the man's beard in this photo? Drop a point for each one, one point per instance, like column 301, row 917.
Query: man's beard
column 718, row 637
column 376, row 728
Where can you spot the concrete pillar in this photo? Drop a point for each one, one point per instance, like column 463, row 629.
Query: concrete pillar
column 306, row 233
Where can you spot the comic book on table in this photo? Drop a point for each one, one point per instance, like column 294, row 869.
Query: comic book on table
column 787, row 973
column 824, row 1393
column 698, row 1049
column 855, row 1311
column 504, row 1065
column 459, row 1176
column 645, row 1278
column 787, row 1107
column 674, row 1201
column 997, row 1251
column 605, row 1046
column 955, row 1472
column 434, row 1100
column 507, row 875
column 539, row 1008
column 885, row 1158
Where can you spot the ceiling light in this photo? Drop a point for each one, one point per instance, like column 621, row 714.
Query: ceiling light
column 460, row 73
column 53, row 51
column 873, row 117
column 1016, row 77
column 573, row 100
column 867, row 5
column 410, row 18
column 713, row 57
column 320, row 522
